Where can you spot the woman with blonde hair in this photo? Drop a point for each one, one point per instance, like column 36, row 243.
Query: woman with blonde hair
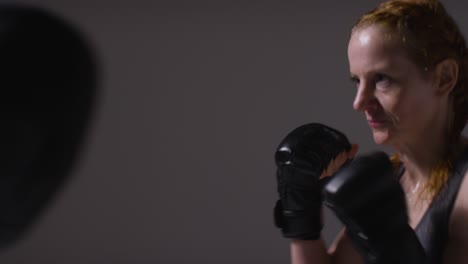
column 408, row 60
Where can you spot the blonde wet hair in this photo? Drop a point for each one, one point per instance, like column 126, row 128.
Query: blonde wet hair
column 429, row 35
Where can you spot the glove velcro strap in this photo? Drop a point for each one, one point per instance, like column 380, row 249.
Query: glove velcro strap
column 298, row 224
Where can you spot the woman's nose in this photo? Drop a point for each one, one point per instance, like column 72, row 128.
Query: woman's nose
column 364, row 97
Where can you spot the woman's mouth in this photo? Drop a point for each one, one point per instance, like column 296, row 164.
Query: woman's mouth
column 376, row 123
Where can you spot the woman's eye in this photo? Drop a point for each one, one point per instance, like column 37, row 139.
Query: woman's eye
column 380, row 77
column 382, row 81
column 355, row 80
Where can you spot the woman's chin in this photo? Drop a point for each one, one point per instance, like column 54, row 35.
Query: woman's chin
column 381, row 137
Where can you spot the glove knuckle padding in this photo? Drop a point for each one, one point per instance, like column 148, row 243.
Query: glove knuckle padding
column 372, row 205
column 311, row 147
column 301, row 158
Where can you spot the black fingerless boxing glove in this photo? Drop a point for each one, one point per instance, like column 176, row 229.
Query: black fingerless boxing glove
column 370, row 202
column 301, row 158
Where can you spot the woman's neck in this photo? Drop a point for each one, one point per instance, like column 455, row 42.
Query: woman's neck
column 421, row 157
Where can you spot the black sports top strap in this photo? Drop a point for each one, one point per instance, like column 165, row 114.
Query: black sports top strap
column 433, row 230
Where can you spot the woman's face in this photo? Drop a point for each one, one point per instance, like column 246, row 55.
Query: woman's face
column 392, row 91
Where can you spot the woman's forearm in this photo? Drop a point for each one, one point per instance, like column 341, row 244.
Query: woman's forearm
column 309, row 252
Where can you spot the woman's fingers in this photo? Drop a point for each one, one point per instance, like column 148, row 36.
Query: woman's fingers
column 352, row 152
column 336, row 163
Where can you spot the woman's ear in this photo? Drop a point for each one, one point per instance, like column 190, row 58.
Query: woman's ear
column 446, row 76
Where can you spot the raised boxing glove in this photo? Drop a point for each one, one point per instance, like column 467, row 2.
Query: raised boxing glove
column 301, row 158
column 370, row 202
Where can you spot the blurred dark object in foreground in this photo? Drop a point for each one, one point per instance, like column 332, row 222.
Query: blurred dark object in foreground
column 48, row 82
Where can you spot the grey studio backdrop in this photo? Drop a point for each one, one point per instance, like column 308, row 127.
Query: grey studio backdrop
column 195, row 97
